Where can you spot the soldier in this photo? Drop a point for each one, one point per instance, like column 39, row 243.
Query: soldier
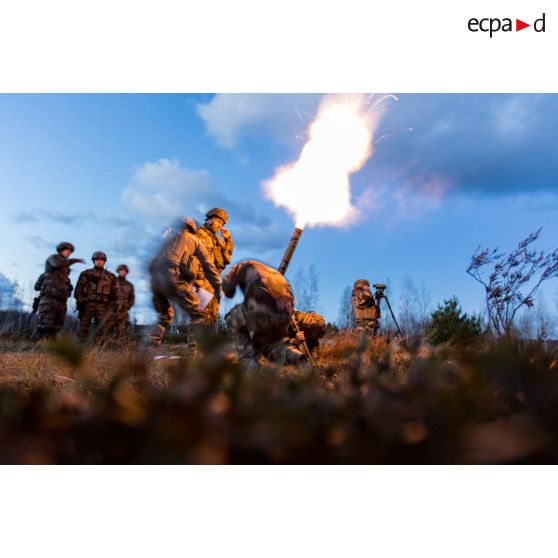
column 55, row 288
column 311, row 328
column 95, row 294
column 364, row 307
column 125, row 299
column 173, row 273
column 263, row 317
column 220, row 249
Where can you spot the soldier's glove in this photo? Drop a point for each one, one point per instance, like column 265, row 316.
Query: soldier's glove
column 226, row 234
column 79, row 306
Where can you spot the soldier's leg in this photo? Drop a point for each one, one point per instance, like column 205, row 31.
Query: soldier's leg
column 163, row 307
column 61, row 310
column 85, row 317
column 185, row 296
column 104, row 320
column 121, row 326
column 47, row 319
column 211, row 311
column 281, row 352
column 237, row 327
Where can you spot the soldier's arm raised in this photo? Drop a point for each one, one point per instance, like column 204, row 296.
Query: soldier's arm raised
column 57, row 262
column 228, row 249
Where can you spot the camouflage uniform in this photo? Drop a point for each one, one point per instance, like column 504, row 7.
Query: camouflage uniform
column 125, row 298
column 221, row 250
column 95, row 295
column 313, row 326
column 55, row 288
column 364, row 307
column 262, row 318
column 290, row 350
column 173, row 272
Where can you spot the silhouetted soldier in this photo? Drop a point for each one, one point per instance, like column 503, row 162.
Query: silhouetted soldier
column 55, row 288
column 220, row 249
column 95, row 294
column 173, row 272
column 261, row 320
column 364, row 307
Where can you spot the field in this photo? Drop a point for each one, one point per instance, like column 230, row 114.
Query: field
column 365, row 401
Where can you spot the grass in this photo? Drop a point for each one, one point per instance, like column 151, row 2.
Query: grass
column 365, row 401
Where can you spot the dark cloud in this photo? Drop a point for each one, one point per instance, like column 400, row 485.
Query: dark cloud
column 475, row 144
column 25, row 217
column 40, row 242
column 33, row 216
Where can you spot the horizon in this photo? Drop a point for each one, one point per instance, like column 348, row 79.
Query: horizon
column 111, row 172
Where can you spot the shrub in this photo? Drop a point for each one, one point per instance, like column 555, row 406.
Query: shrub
column 450, row 323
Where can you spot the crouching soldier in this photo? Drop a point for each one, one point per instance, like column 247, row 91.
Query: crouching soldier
column 55, row 288
column 310, row 328
column 95, row 295
column 364, row 308
column 173, row 273
column 125, row 299
column 263, row 317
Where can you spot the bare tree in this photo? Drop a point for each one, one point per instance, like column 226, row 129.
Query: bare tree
column 306, row 289
column 424, row 304
column 514, row 279
column 346, row 317
column 408, row 307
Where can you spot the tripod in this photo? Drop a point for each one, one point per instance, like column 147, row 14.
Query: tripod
column 379, row 295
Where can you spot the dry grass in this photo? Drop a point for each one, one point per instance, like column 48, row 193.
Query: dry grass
column 365, row 401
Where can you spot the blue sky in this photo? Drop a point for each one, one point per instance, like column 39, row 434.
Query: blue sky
column 110, row 172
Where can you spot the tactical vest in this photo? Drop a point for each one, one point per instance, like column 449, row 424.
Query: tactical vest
column 369, row 313
column 124, row 291
column 54, row 283
column 98, row 287
column 364, row 307
column 216, row 247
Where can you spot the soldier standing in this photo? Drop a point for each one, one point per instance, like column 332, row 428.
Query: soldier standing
column 173, row 272
column 55, row 288
column 364, row 307
column 95, row 294
column 125, row 298
column 220, row 249
column 263, row 317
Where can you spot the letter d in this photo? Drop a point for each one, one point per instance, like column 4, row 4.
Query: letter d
column 542, row 23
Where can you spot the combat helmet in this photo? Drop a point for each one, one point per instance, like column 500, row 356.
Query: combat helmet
column 217, row 212
column 99, row 256
column 124, row 267
column 65, row 246
column 361, row 284
column 189, row 224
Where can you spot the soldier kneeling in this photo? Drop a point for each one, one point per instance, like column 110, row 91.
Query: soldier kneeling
column 263, row 317
column 310, row 328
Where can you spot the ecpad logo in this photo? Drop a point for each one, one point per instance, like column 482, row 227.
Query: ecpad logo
column 493, row 25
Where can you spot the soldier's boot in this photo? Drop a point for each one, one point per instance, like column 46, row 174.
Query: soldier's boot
column 155, row 337
column 294, row 355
